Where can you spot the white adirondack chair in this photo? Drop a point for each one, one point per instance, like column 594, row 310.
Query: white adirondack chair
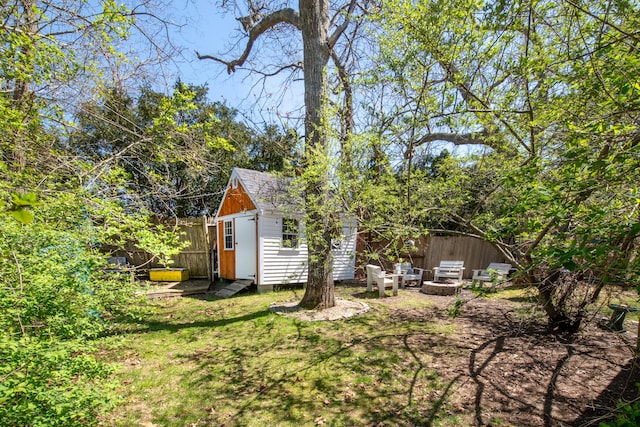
column 409, row 274
column 448, row 270
column 499, row 269
column 378, row 276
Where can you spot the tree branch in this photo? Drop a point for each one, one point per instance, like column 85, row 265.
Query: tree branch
column 633, row 36
column 470, row 97
column 296, row 66
column 454, row 138
column 346, row 113
column 283, row 16
column 333, row 39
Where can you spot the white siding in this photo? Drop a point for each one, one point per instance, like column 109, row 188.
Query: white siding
column 279, row 265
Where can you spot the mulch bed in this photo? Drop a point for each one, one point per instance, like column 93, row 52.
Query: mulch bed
column 508, row 371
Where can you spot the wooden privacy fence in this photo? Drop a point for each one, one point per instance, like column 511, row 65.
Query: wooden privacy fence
column 428, row 251
column 197, row 257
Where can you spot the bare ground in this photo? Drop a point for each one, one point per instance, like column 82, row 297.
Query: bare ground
column 506, row 367
column 512, row 368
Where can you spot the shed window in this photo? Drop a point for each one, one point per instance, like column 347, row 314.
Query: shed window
column 290, row 232
column 228, row 235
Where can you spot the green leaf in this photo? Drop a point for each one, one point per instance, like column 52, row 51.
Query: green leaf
column 28, row 199
column 22, row 215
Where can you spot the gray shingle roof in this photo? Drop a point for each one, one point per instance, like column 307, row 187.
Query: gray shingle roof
column 269, row 192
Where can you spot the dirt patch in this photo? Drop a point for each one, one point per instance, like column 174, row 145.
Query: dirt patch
column 506, row 367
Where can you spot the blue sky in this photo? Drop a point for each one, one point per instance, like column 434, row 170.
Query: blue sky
column 207, row 31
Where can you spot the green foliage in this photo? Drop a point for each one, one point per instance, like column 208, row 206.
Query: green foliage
column 370, row 192
column 173, row 153
column 549, row 89
column 64, row 199
column 51, row 383
column 55, row 298
column 628, row 416
column 20, row 204
column 56, row 213
column 455, row 309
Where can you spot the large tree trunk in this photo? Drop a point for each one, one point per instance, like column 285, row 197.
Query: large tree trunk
column 313, row 21
column 314, row 17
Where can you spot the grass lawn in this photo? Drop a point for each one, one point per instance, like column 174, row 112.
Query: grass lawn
column 231, row 362
column 205, row 361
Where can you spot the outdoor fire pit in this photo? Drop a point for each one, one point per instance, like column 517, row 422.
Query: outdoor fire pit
column 444, row 287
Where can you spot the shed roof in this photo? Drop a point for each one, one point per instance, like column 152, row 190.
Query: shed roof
column 270, row 193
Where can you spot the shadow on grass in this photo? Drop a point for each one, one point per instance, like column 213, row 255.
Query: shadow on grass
column 322, row 374
column 394, row 366
column 148, row 326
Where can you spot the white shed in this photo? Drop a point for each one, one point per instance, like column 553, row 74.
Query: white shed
column 261, row 237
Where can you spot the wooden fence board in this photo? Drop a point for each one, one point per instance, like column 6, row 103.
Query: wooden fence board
column 427, row 253
column 196, row 257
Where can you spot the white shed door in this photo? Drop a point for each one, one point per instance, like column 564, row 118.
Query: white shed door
column 246, row 247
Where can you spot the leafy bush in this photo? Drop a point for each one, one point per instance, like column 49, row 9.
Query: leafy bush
column 51, row 383
column 55, row 298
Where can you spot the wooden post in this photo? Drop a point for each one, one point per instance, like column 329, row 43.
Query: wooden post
column 207, row 245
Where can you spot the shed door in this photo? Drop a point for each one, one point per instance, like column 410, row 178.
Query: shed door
column 246, row 247
column 226, row 250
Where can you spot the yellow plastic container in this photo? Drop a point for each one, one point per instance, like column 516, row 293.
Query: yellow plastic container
column 168, row 274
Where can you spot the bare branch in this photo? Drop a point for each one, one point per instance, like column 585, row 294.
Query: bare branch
column 283, row 16
column 338, row 32
column 454, row 138
column 296, row 66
